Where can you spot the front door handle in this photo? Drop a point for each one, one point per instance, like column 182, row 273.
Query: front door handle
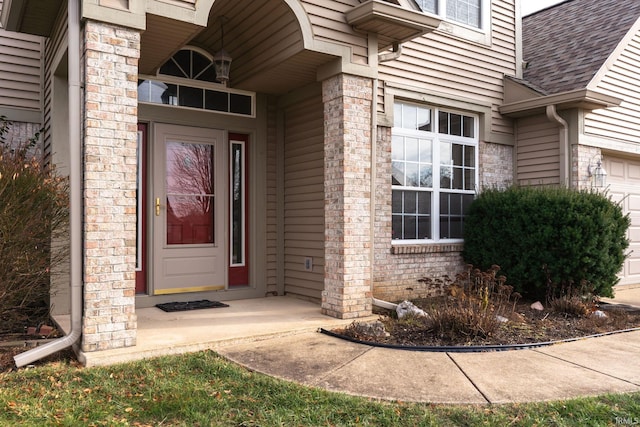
column 157, row 206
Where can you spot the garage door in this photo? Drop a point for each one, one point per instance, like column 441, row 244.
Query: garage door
column 624, row 185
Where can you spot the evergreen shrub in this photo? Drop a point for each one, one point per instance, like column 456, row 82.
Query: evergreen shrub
column 547, row 237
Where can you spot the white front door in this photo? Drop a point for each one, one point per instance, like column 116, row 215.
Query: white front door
column 189, row 210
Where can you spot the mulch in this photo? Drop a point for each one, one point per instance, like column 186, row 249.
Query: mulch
column 525, row 325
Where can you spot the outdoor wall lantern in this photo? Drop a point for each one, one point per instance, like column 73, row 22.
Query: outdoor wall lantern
column 222, row 60
column 597, row 174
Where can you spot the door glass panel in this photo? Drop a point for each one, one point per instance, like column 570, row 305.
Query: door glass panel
column 190, row 196
column 237, row 205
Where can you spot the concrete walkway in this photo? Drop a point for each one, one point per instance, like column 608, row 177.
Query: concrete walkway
column 609, row 364
column 278, row 336
column 593, row 366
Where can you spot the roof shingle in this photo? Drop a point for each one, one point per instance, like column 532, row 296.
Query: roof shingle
column 566, row 45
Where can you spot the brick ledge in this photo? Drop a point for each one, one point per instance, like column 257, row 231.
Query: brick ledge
column 426, row 248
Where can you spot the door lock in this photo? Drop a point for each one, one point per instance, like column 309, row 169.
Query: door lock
column 157, row 206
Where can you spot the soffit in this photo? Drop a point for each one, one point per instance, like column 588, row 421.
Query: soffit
column 262, row 36
column 392, row 23
column 161, row 39
column 35, row 17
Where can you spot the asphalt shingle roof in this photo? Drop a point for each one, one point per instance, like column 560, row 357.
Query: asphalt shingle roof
column 566, row 45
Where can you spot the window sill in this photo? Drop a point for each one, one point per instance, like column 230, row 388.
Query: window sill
column 426, row 248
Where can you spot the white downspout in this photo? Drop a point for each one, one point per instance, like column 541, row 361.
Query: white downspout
column 75, row 197
column 395, row 53
column 565, row 154
column 383, row 57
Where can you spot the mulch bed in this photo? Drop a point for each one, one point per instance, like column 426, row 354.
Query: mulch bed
column 12, row 344
column 524, row 326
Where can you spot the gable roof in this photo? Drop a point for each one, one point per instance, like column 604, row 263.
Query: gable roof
column 565, row 45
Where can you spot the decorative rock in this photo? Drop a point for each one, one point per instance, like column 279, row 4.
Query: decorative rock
column 537, row 306
column 369, row 329
column 407, row 308
column 599, row 314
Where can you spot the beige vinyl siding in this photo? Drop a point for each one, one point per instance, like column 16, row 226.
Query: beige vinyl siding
column 621, row 80
column 304, row 198
column 329, row 24
column 53, row 47
column 537, row 152
column 20, row 70
column 444, row 64
column 272, row 201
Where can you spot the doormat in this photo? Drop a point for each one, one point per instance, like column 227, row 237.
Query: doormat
column 190, row 305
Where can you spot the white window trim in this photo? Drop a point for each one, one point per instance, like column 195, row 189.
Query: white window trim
column 435, row 189
column 480, row 35
column 243, row 210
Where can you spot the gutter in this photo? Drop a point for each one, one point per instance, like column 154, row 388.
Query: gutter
column 75, row 197
column 565, row 153
column 396, row 52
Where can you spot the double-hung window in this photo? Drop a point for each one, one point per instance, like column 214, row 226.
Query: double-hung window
column 434, row 172
column 467, row 12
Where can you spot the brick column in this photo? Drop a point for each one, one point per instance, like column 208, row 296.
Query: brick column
column 110, row 142
column 347, row 189
column 582, row 157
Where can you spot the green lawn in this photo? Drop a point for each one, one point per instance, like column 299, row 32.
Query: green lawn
column 203, row 389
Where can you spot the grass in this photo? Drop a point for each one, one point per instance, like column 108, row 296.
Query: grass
column 203, row 389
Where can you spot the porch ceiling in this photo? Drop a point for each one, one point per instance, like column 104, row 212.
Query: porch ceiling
column 30, row 16
column 262, row 36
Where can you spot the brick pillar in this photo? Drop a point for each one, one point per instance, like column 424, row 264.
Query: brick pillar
column 583, row 156
column 110, row 142
column 347, row 189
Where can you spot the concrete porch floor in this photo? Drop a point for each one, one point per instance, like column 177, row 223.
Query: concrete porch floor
column 162, row 333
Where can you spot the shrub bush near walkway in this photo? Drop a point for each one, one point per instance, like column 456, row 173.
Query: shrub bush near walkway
column 548, row 239
column 34, row 213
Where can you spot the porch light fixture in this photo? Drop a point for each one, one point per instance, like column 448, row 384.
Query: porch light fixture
column 222, row 59
column 597, row 174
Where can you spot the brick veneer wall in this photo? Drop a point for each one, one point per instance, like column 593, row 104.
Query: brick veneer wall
column 581, row 156
column 347, row 126
column 496, row 165
column 110, row 141
column 398, row 268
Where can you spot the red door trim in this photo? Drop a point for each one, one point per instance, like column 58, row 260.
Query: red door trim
column 141, row 274
column 239, row 275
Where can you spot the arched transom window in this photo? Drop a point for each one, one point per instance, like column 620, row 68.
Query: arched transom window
column 190, row 63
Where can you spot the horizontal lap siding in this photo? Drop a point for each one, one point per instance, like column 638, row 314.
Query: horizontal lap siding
column 442, row 63
column 621, row 80
column 329, row 24
column 537, row 152
column 304, row 198
column 272, row 200
column 54, row 45
column 20, row 70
